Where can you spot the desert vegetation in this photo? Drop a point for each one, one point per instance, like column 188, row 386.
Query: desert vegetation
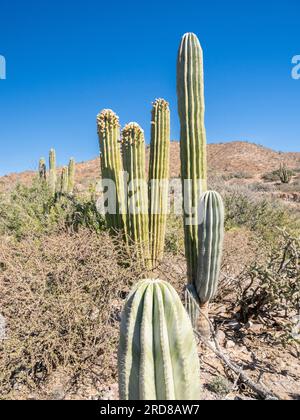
column 213, row 304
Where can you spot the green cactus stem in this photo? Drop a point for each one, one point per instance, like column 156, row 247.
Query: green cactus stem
column 191, row 109
column 64, row 181
column 211, row 238
column 285, row 174
column 157, row 356
column 111, row 165
column 159, row 177
column 42, row 170
column 71, row 176
column 52, row 171
column 133, row 148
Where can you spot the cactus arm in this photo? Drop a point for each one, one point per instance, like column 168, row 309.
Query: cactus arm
column 211, row 234
column 42, row 169
column 159, row 177
column 134, row 164
column 111, row 164
column 211, row 237
column 64, row 182
column 52, row 171
column 191, row 109
column 71, row 176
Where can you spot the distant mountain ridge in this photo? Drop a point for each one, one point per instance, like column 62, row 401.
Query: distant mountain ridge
column 223, row 158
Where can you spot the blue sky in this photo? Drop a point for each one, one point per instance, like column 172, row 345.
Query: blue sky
column 68, row 60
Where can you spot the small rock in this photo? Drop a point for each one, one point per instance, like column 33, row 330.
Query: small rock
column 221, row 337
column 234, row 324
column 229, row 344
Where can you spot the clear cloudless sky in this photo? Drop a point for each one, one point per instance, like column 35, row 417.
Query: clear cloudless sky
column 68, row 60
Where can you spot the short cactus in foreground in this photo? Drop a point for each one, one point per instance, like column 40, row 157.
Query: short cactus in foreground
column 64, row 181
column 157, row 357
column 71, row 176
column 159, row 177
column 133, row 150
column 52, row 171
column 191, row 108
column 111, row 165
column 42, row 170
column 211, row 237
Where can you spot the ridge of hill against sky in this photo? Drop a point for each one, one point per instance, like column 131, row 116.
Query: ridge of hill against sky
column 67, row 61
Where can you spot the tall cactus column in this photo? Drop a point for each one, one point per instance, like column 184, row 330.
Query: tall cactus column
column 64, row 180
column 71, row 176
column 191, row 108
column 42, row 169
column 157, row 356
column 133, row 146
column 159, row 177
column 111, row 164
column 211, row 238
column 52, row 171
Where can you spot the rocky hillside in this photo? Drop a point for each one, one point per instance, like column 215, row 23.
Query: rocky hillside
column 235, row 158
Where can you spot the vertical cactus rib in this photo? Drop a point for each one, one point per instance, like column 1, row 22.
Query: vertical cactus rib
column 133, row 146
column 111, row 164
column 191, row 109
column 71, row 176
column 157, row 356
column 52, row 171
column 159, row 177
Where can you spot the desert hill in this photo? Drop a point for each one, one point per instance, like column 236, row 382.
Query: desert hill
column 233, row 158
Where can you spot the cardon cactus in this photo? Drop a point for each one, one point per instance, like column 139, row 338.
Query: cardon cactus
column 64, row 180
column 52, row 171
column 157, row 357
column 71, row 176
column 133, row 147
column 191, row 108
column 159, row 177
column 42, row 169
column 285, row 174
column 111, row 165
column 211, row 237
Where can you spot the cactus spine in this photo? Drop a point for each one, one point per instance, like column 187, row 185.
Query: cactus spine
column 52, row 171
column 42, row 169
column 111, row 164
column 157, row 357
column 64, row 181
column 159, row 177
column 133, row 147
column 191, row 109
column 71, row 176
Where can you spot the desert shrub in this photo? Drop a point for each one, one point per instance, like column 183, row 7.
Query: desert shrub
column 259, row 214
column 274, row 176
column 292, row 187
column 33, row 210
column 174, row 235
column 272, row 290
column 262, row 188
column 61, row 297
column 237, row 175
column 219, row 385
